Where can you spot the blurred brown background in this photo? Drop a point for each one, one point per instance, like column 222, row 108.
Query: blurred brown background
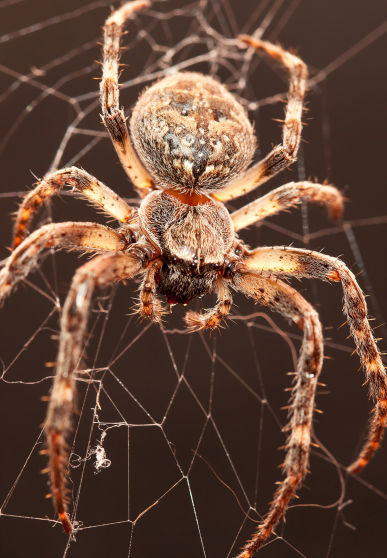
column 345, row 142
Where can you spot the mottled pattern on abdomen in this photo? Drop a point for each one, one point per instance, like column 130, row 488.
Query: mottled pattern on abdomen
column 190, row 132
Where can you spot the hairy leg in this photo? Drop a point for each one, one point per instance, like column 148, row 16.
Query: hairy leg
column 285, row 197
column 101, row 271
column 113, row 117
column 79, row 236
column 299, row 263
column 82, row 182
column 282, row 298
column 285, row 154
column 212, row 318
column 149, row 305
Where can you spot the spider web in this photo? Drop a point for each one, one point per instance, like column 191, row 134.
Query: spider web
column 175, row 450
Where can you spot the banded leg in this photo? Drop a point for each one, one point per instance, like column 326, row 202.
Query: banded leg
column 113, row 117
column 98, row 272
column 81, row 181
column 81, row 236
column 299, row 263
column 150, row 306
column 282, row 298
column 211, row 319
column 285, row 197
column 283, row 155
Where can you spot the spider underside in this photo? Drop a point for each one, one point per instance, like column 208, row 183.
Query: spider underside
column 192, row 145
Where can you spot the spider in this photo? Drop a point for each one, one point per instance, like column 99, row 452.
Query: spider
column 192, row 146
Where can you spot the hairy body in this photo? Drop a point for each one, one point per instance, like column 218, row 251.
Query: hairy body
column 193, row 143
column 191, row 133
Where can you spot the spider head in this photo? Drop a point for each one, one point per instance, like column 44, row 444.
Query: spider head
column 191, row 133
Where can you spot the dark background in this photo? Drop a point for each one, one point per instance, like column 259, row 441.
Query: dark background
column 345, row 143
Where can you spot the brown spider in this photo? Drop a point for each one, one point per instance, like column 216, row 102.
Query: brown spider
column 194, row 143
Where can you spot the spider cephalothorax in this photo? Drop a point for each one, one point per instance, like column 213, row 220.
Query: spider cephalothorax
column 194, row 234
column 194, row 143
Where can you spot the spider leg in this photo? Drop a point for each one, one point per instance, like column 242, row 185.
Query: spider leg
column 295, row 262
column 285, row 197
column 114, row 117
column 101, row 271
column 81, row 181
column 149, row 306
column 282, row 298
column 81, row 236
column 285, row 154
column 212, row 318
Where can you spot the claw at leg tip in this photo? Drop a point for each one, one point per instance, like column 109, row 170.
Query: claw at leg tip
column 67, row 525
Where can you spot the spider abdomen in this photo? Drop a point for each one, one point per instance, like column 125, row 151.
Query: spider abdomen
column 191, row 133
